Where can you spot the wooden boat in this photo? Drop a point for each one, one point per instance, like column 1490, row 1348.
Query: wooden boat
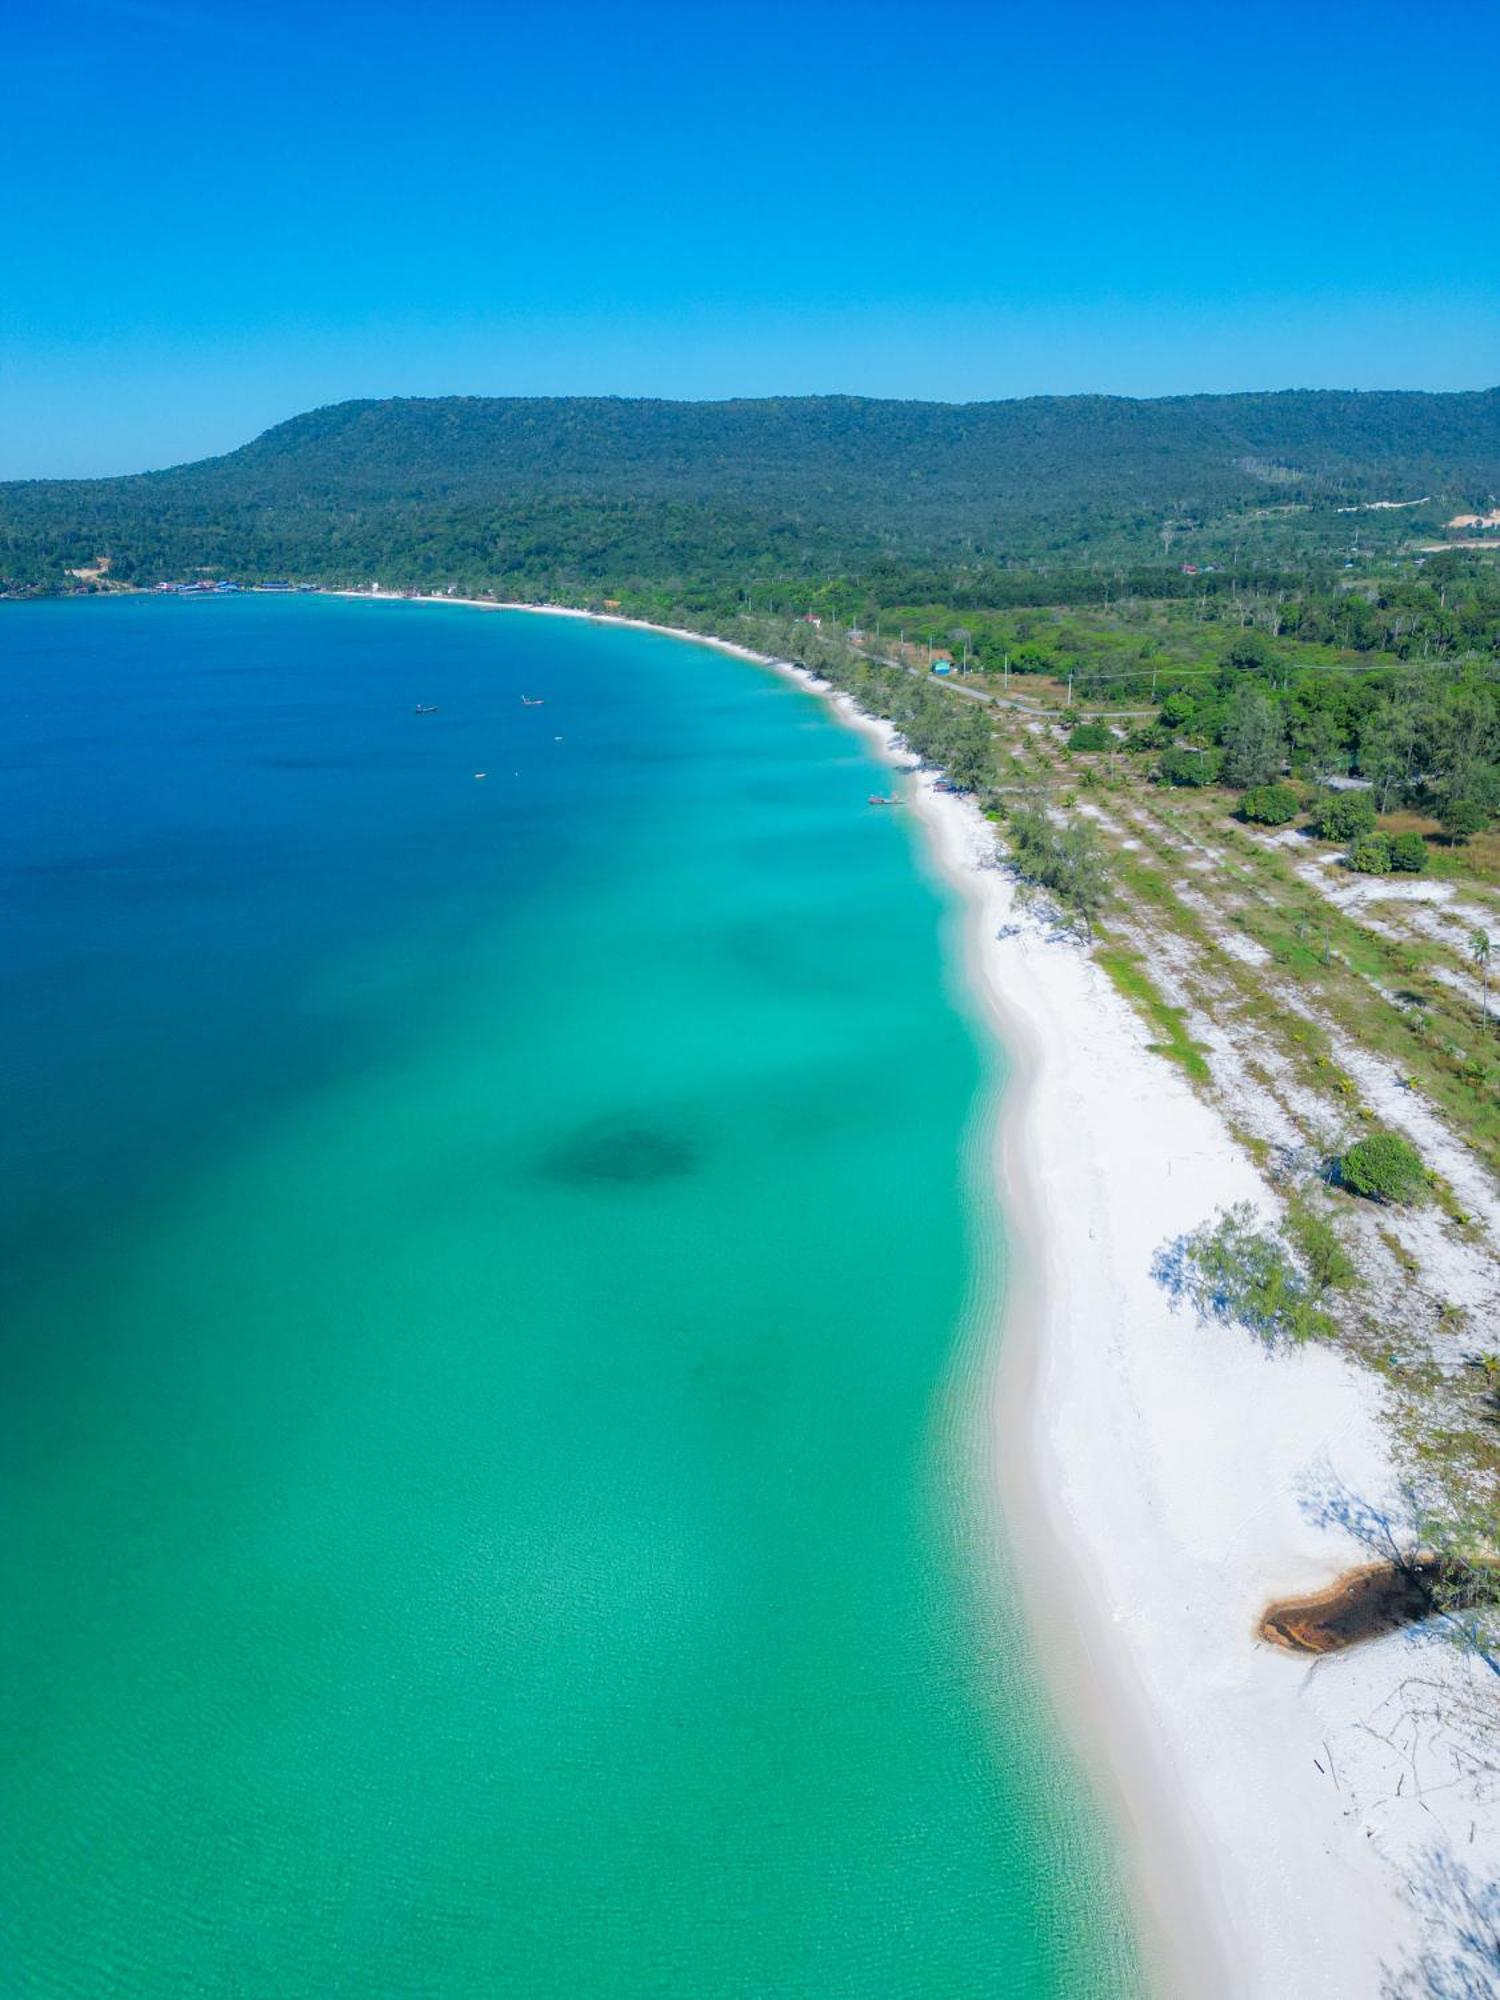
column 880, row 799
column 533, row 701
column 425, row 708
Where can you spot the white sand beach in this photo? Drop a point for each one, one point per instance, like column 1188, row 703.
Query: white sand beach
column 1289, row 1826
column 1284, row 1819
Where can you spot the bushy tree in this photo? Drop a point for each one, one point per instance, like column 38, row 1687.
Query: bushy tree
column 1384, row 1167
column 1091, row 736
column 1434, row 741
column 1318, row 743
column 1388, row 751
column 1345, row 815
column 1066, row 861
column 1189, row 767
column 1178, row 709
column 1408, row 853
column 965, row 746
column 1250, row 652
column 1242, row 1276
column 1270, row 805
column 1461, row 818
column 1254, row 739
column 1370, row 855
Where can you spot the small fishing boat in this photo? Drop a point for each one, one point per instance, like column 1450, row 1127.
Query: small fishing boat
column 425, row 708
column 533, row 701
column 880, row 799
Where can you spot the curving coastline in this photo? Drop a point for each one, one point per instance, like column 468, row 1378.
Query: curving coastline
column 1157, row 1483
column 1186, row 1943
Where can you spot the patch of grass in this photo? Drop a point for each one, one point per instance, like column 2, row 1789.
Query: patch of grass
column 1478, row 862
column 1297, row 951
column 1128, row 973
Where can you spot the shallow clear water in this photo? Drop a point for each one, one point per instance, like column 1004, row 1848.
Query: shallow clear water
column 485, row 1273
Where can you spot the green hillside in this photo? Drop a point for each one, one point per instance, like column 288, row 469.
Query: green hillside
column 600, row 490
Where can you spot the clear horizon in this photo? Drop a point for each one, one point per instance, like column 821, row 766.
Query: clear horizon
column 219, row 221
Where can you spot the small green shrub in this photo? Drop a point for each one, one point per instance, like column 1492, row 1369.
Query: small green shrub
column 1189, row 767
column 1345, row 815
column 1270, row 805
column 1408, row 853
column 1370, row 855
column 1091, row 736
column 1384, row 1167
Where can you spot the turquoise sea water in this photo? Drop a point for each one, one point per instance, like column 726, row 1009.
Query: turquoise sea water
column 486, row 1267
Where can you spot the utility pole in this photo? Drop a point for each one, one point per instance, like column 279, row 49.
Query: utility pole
column 1070, row 687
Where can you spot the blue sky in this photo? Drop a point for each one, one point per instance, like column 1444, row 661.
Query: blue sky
column 216, row 216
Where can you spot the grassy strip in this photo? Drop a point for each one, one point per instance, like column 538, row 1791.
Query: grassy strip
column 1355, row 973
column 1351, row 977
column 1127, row 971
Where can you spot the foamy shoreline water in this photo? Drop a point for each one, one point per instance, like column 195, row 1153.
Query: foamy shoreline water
column 1158, row 1481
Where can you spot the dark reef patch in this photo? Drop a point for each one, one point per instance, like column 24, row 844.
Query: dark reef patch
column 621, row 1152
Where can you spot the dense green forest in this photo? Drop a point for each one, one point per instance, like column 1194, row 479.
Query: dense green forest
column 1392, row 679
column 554, row 496
column 1426, row 735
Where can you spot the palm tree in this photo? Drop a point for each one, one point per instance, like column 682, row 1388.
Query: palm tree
column 1479, row 951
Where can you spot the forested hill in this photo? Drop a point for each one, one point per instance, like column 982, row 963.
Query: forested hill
column 886, row 462
column 608, row 488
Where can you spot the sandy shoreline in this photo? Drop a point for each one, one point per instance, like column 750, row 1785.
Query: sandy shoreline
column 569, row 611
column 1187, row 1946
column 1160, row 1480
